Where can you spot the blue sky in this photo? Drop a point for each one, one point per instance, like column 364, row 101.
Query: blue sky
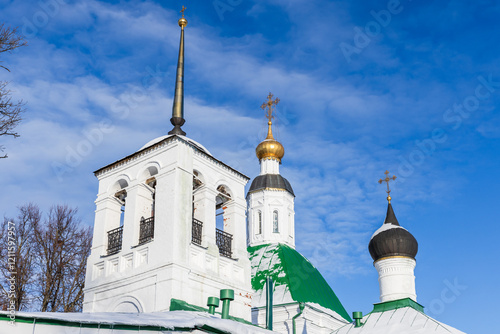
column 410, row 86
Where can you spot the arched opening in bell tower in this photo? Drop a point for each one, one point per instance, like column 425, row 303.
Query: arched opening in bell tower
column 197, row 208
column 223, row 238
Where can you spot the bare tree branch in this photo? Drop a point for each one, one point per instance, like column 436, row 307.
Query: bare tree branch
column 10, row 112
column 51, row 257
column 24, row 258
column 63, row 248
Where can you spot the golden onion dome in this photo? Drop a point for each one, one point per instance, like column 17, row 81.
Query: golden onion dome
column 270, row 148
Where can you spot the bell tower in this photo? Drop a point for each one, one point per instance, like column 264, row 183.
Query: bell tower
column 156, row 246
column 271, row 216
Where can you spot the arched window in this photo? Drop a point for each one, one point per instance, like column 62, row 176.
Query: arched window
column 115, row 235
column 222, row 197
column 121, row 196
column 197, row 183
column 259, row 222
column 275, row 222
column 197, row 226
column 222, row 238
column 152, row 183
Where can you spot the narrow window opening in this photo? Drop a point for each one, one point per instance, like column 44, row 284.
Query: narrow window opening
column 275, row 222
column 223, row 239
column 259, row 222
column 152, row 183
column 197, row 225
column 219, row 218
column 220, row 200
column 115, row 235
column 121, row 196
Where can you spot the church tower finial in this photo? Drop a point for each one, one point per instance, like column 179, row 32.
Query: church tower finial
column 269, row 105
column 387, row 179
column 177, row 119
column 270, row 148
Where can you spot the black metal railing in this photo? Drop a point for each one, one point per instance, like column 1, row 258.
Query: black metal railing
column 197, row 231
column 115, row 237
column 146, row 230
column 224, row 240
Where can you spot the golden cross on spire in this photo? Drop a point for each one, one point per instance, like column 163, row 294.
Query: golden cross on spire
column 387, row 179
column 269, row 105
column 182, row 11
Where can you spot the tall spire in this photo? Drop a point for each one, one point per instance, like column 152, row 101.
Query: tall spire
column 177, row 119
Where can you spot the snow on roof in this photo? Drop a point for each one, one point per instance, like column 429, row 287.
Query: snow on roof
column 401, row 320
column 189, row 140
column 386, row 227
column 295, row 279
column 167, row 320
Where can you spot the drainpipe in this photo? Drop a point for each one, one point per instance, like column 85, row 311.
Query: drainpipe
column 226, row 295
column 357, row 316
column 212, row 303
column 301, row 308
column 269, row 303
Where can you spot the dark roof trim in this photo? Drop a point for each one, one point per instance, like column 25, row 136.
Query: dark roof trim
column 270, row 181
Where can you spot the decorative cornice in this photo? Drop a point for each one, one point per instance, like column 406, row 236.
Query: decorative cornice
column 395, row 257
column 145, row 151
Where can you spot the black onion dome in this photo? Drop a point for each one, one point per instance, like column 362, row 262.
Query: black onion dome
column 392, row 240
column 272, row 181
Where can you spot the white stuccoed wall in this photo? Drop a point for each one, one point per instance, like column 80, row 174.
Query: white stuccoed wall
column 269, row 166
column 396, row 278
column 144, row 278
column 266, row 201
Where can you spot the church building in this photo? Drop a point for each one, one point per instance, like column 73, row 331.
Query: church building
column 179, row 246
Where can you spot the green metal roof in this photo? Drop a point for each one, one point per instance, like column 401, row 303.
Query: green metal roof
column 180, row 305
column 395, row 304
column 288, row 267
column 398, row 316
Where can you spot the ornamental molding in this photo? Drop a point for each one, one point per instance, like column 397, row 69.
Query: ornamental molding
column 163, row 143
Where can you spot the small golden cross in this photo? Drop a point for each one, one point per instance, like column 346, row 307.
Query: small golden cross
column 269, row 104
column 387, row 179
column 182, row 11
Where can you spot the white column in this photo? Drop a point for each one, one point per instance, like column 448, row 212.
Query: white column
column 164, row 217
column 396, row 278
column 234, row 223
column 107, row 217
column 204, row 203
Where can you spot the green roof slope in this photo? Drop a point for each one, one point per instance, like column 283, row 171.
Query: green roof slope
column 398, row 316
column 290, row 269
